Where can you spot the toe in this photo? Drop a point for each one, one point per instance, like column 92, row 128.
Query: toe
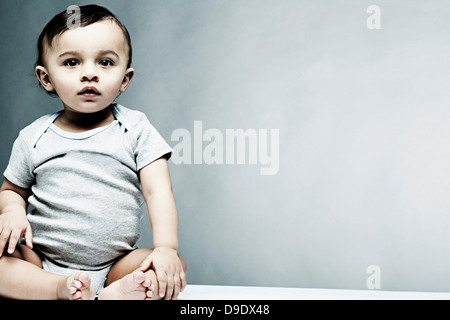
column 138, row 276
column 85, row 279
column 77, row 284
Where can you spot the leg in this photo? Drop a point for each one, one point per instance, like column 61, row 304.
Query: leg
column 127, row 266
column 125, row 282
column 22, row 277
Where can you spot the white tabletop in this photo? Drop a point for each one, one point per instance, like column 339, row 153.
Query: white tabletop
column 210, row 292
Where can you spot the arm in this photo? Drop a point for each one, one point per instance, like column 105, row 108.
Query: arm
column 157, row 192
column 13, row 221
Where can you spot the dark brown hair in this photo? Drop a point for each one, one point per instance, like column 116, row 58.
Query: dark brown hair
column 89, row 14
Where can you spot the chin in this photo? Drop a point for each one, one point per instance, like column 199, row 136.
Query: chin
column 90, row 107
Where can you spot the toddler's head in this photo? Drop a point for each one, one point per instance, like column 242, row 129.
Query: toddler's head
column 49, row 43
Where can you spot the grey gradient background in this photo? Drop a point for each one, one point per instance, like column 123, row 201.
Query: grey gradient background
column 363, row 116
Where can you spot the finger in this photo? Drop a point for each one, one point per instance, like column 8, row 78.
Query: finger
column 169, row 287
column 183, row 280
column 147, row 283
column 29, row 237
column 4, row 237
column 162, row 281
column 13, row 239
column 176, row 287
column 145, row 265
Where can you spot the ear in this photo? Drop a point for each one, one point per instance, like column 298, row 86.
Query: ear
column 127, row 79
column 44, row 78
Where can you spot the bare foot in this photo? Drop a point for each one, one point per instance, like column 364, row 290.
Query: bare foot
column 134, row 286
column 76, row 287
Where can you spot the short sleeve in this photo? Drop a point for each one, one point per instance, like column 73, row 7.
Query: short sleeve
column 150, row 145
column 20, row 170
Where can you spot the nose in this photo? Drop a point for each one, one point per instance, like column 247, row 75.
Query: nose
column 89, row 73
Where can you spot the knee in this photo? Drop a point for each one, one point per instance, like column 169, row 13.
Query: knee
column 18, row 253
column 140, row 253
column 22, row 252
column 143, row 253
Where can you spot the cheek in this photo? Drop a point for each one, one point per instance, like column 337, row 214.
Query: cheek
column 60, row 88
column 62, row 83
column 113, row 85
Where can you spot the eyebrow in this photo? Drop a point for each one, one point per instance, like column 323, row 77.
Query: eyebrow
column 101, row 53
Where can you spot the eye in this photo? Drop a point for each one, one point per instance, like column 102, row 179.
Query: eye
column 71, row 63
column 105, row 63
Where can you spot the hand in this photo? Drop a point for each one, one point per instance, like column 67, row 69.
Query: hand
column 14, row 225
column 169, row 271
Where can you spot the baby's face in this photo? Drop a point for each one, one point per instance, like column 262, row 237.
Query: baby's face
column 87, row 66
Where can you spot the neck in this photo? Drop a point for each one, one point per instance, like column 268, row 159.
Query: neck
column 79, row 122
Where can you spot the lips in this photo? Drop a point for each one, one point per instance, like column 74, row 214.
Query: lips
column 89, row 92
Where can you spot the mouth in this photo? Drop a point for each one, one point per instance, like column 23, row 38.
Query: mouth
column 89, row 92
